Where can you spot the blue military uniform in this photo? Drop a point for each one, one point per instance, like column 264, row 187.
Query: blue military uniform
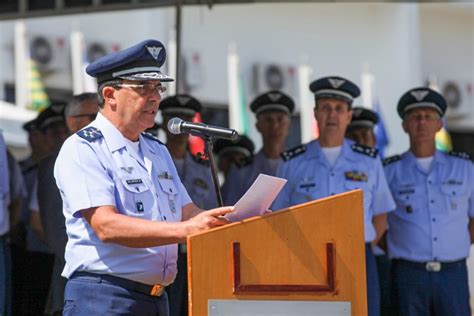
column 5, row 264
column 428, row 237
column 311, row 176
column 242, row 175
column 98, row 166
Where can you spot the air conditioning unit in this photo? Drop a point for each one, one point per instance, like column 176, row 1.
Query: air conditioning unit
column 459, row 95
column 274, row 77
column 96, row 49
column 52, row 56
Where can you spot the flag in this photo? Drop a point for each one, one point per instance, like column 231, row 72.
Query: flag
column 243, row 108
column 443, row 140
column 237, row 102
column 380, row 132
column 196, row 144
column 37, row 97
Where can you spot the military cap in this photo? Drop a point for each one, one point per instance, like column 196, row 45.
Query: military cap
column 272, row 101
column 362, row 117
column 243, row 145
column 52, row 114
column 421, row 97
column 30, row 125
column 335, row 88
column 180, row 104
column 140, row 62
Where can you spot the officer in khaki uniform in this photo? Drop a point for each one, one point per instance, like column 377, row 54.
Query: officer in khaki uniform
column 431, row 230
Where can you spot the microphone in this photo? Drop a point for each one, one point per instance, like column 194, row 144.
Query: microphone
column 178, row 126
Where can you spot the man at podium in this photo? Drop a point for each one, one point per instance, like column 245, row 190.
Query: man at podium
column 124, row 203
column 333, row 164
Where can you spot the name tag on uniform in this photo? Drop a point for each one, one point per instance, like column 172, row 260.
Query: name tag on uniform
column 356, row 176
column 165, row 175
column 307, row 185
column 406, row 191
column 134, row 181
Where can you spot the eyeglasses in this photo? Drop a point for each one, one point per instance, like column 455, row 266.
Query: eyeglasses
column 144, row 88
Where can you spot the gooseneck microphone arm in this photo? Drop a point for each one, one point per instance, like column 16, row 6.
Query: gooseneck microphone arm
column 215, row 179
column 207, row 133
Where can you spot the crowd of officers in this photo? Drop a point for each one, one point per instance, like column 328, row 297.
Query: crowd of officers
column 418, row 206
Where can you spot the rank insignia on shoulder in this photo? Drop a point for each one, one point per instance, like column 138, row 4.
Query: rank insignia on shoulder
column 462, row 155
column 292, row 153
column 152, row 137
column 366, row 150
column 392, row 159
column 356, row 176
column 90, row 133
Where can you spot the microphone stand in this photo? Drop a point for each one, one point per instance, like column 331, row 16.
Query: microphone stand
column 215, row 179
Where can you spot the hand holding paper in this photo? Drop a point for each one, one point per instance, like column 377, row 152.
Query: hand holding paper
column 258, row 198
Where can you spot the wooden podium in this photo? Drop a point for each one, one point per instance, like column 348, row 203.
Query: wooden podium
column 310, row 252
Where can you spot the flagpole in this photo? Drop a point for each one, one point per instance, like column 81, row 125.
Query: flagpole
column 21, row 64
column 235, row 119
column 76, row 61
column 368, row 81
column 307, row 120
column 172, row 62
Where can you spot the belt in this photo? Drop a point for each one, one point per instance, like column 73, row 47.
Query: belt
column 152, row 290
column 431, row 266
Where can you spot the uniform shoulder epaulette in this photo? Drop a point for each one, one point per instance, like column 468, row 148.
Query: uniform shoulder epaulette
column 199, row 160
column 365, row 150
column 244, row 162
column 391, row 159
column 152, row 137
column 90, row 133
column 292, row 153
column 458, row 154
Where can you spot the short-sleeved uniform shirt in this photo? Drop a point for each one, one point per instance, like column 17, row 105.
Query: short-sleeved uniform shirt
column 195, row 174
column 96, row 167
column 431, row 219
column 310, row 176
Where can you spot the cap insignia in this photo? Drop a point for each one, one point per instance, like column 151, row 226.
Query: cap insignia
column 274, row 96
column 336, row 83
column 183, row 100
column 419, row 95
column 154, row 51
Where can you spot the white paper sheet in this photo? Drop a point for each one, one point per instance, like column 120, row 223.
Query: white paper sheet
column 258, row 198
